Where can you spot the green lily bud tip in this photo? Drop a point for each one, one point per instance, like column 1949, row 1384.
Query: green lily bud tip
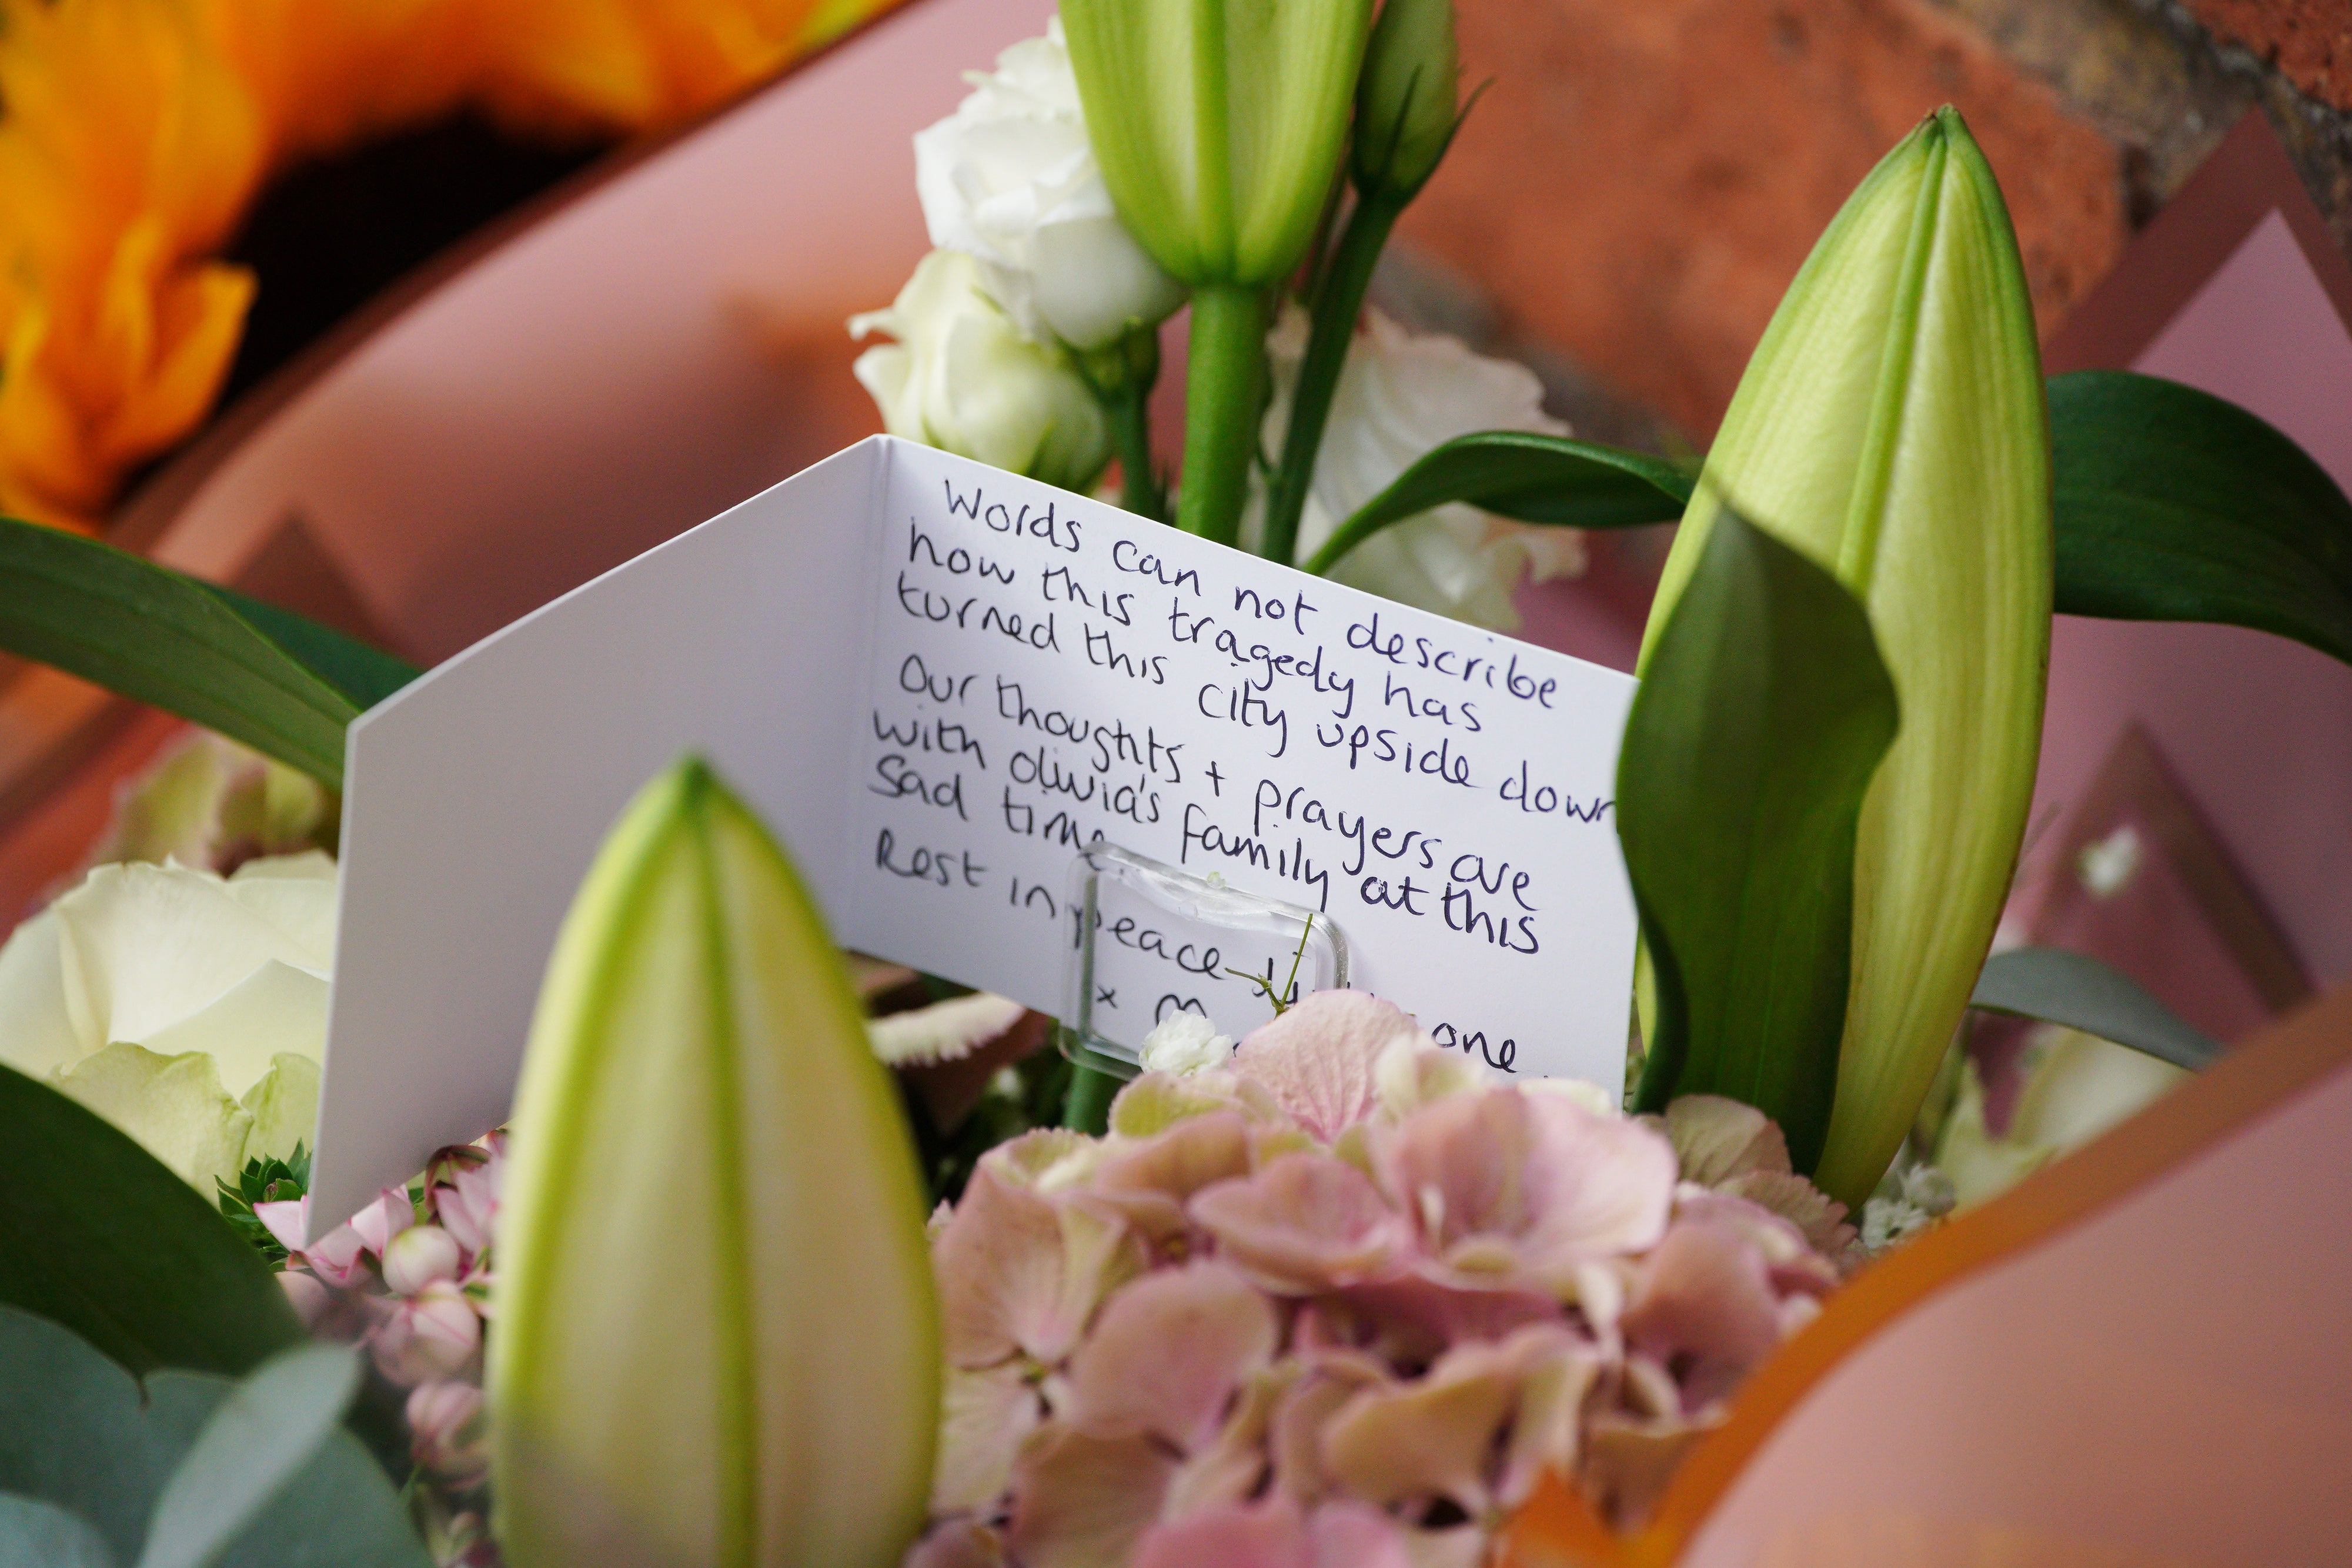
column 717, row 1336
column 1891, row 425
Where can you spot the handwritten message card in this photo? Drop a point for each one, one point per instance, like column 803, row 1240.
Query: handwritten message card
column 941, row 683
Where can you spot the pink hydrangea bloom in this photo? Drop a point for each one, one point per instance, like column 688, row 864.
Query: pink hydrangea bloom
column 1342, row 1301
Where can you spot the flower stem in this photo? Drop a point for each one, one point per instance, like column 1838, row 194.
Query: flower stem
column 1222, row 392
column 1130, row 428
column 1088, row 1109
column 1337, row 303
column 1122, row 375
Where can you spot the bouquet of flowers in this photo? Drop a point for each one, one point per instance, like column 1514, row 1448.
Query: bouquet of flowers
column 1327, row 1294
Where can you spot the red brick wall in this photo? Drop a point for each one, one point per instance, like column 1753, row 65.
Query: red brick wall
column 2309, row 41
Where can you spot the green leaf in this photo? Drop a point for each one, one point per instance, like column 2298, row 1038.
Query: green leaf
column 100, row 1236
column 70, row 1431
column 365, row 675
column 37, row 1534
column 2082, row 993
column 74, row 1433
column 1533, row 479
column 2174, row 505
column 1764, row 713
column 264, row 677
column 252, row 1444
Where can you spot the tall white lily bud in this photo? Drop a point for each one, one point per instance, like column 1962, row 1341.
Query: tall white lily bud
column 717, row 1340
column 1891, row 425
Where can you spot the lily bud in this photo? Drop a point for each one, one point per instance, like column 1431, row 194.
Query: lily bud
column 1405, row 100
column 1218, row 123
column 1891, row 426
column 717, row 1338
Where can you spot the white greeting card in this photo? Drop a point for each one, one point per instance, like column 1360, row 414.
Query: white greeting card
column 939, row 684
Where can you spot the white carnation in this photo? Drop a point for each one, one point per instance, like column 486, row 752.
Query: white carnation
column 1011, row 180
column 1401, row 393
column 1185, row 1042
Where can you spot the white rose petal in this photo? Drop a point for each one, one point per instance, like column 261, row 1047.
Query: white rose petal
column 1185, row 1042
column 39, row 1038
column 173, row 1106
column 960, row 378
column 1010, row 179
column 1401, row 393
column 187, row 1009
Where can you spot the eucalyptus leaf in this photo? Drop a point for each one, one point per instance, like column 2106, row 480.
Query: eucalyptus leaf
column 1753, row 736
column 1529, row 477
column 338, row 1511
column 166, row 638
column 2079, row 991
column 252, row 1444
column 2175, row 505
column 98, row 1235
column 71, row 1433
column 75, row 1434
column 37, row 1534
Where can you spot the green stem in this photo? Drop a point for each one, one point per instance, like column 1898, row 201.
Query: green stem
column 1130, row 430
column 1087, row 1109
column 1340, row 299
column 1221, row 391
column 1121, row 375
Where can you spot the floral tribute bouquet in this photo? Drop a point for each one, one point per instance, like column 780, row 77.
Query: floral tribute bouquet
column 1327, row 1295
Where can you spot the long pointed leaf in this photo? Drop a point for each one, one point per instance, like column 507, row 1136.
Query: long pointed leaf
column 2079, row 992
column 1533, row 479
column 2174, row 505
column 365, row 675
column 1765, row 711
column 97, row 1235
column 166, row 638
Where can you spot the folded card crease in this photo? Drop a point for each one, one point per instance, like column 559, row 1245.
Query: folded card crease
column 939, row 682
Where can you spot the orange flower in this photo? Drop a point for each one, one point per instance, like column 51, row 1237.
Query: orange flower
column 128, row 153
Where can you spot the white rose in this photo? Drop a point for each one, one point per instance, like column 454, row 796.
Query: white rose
column 960, row 378
column 1401, row 393
column 1010, row 178
column 2076, row 1087
column 1185, row 1042
column 187, row 1009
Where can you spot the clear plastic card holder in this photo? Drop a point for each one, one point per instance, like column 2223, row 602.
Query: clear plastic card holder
column 1148, row 939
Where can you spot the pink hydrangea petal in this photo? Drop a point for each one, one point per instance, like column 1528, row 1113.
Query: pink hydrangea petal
column 1626, row 1464
column 1081, row 1501
column 1557, row 1370
column 1268, row 1534
column 1168, row 1353
column 1306, row 1223
column 1319, row 1059
column 1716, row 1139
column 1535, row 1183
column 1231, row 1467
column 958, row 1543
column 1295, row 1435
column 1417, row 1318
column 1150, row 1180
column 1706, row 1307
column 1815, row 1213
column 1021, row 1274
column 1349, row 1535
column 1428, row 1438
column 984, row 1418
